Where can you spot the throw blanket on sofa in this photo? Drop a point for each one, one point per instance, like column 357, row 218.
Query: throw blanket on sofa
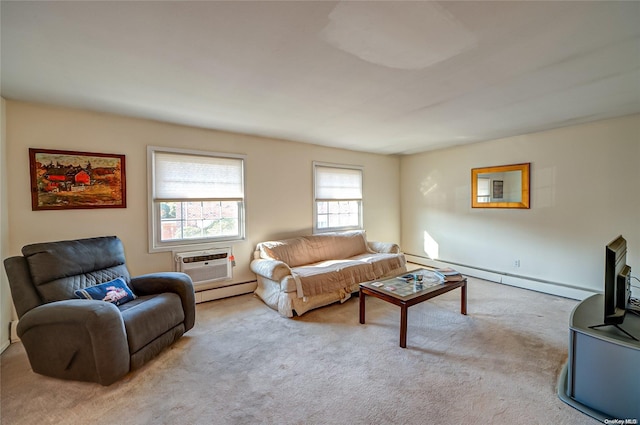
column 332, row 275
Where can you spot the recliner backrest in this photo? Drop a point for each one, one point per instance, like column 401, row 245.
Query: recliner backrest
column 57, row 269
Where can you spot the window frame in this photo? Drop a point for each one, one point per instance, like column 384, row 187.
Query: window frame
column 154, row 206
column 316, row 200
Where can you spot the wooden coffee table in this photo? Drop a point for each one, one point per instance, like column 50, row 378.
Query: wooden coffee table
column 405, row 294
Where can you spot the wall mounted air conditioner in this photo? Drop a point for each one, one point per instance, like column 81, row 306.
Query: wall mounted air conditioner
column 205, row 266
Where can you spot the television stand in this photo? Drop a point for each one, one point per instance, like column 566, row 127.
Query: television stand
column 617, row 326
column 601, row 375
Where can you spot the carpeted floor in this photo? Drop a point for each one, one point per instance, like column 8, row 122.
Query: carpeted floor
column 245, row 364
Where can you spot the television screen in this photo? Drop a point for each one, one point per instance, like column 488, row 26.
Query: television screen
column 616, row 281
column 617, row 285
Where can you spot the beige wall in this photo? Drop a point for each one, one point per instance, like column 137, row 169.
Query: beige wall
column 585, row 190
column 279, row 182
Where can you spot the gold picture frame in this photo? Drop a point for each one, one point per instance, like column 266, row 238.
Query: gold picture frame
column 503, row 186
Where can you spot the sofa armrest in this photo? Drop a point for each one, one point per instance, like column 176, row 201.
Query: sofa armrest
column 176, row 282
column 271, row 269
column 76, row 339
column 385, row 247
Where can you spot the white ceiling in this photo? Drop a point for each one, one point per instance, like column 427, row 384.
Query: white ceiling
column 387, row 77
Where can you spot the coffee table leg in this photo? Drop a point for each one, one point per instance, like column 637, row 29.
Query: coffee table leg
column 403, row 326
column 463, row 299
column 361, row 306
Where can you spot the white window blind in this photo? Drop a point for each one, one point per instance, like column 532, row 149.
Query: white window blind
column 181, row 176
column 338, row 183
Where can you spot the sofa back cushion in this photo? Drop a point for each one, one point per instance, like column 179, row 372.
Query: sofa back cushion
column 59, row 268
column 313, row 249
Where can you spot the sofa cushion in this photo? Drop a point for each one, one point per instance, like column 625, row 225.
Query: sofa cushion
column 149, row 316
column 115, row 291
column 313, row 249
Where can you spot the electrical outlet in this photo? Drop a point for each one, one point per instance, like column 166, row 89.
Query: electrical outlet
column 516, row 263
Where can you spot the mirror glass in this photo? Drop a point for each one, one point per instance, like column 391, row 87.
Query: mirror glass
column 504, row 186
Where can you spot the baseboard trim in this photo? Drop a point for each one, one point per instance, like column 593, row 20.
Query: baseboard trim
column 4, row 346
column 225, row 291
column 525, row 282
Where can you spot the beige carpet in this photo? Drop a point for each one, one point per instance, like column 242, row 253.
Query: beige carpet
column 244, row 364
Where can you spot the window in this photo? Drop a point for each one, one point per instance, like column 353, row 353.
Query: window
column 484, row 189
column 338, row 197
column 195, row 197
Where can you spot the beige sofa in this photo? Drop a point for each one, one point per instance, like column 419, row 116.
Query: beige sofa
column 307, row 272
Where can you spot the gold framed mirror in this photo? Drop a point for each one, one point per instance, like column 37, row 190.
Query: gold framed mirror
column 504, row 186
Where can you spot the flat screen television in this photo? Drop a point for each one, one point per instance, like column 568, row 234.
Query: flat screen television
column 617, row 285
column 617, row 281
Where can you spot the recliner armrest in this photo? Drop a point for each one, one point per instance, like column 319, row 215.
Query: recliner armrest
column 76, row 339
column 271, row 269
column 176, row 282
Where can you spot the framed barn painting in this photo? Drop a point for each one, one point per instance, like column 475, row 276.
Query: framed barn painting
column 63, row 180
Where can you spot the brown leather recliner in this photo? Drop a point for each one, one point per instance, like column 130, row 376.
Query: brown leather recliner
column 86, row 339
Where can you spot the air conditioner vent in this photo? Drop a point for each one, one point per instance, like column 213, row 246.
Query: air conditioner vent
column 199, row 258
column 205, row 266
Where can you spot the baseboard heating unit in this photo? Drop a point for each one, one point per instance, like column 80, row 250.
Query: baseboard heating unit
column 205, row 267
